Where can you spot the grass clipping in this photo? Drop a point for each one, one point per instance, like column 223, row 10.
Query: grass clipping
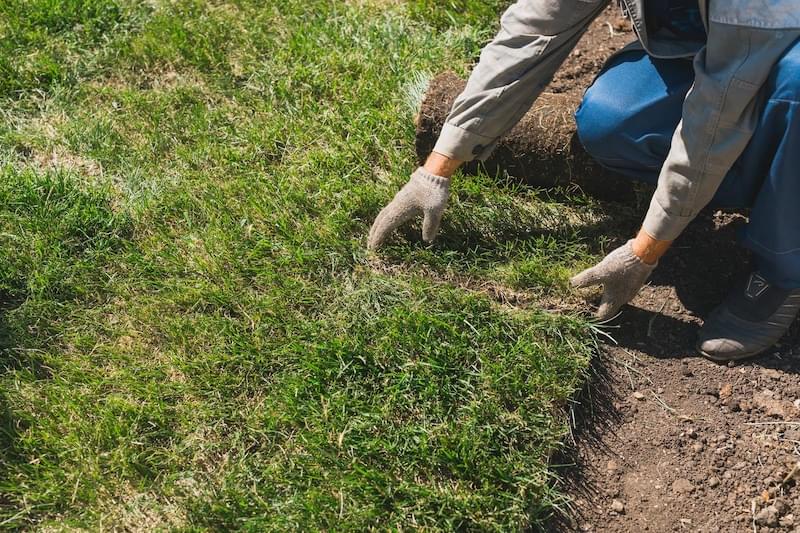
column 542, row 150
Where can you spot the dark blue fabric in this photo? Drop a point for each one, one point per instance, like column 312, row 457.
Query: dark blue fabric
column 627, row 119
column 675, row 19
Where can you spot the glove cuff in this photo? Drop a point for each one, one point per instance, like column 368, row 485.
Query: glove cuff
column 437, row 181
column 633, row 259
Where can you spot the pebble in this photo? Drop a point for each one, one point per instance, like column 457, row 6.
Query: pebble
column 612, row 466
column 697, row 447
column 685, row 370
column 617, row 506
column 787, row 521
column 638, row 395
column 725, row 391
column 682, row 486
column 713, row 482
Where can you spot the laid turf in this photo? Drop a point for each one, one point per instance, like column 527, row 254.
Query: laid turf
column 193, row 336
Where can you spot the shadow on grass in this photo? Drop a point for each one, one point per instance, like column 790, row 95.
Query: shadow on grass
column 595, row 413
column 9, row 433
column 489, row 238
column 9, row 424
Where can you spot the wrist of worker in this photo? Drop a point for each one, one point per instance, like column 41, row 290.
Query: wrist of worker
column 648, row 248
column 441, row 165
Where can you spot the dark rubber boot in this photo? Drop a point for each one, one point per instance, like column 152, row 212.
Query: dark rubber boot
column 752, row 319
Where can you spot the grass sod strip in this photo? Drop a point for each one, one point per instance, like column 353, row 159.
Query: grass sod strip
column 192, row 334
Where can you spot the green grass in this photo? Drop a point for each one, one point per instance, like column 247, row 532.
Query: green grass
column 192, row 335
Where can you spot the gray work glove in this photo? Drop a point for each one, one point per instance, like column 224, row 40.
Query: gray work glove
column 424, row 194
column 622, row 275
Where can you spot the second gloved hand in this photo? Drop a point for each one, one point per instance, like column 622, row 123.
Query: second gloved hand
column 425, row 194
column 622, row 275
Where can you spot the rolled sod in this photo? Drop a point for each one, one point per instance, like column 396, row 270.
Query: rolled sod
column 542, row 150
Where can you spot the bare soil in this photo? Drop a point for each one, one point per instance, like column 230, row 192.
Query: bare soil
column 665, row 440
column 668, row 441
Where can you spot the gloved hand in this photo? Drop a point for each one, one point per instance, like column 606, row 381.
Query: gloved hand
column 425, row 194
column 622, row 275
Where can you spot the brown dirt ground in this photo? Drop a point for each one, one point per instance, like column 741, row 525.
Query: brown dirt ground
column 665, row 440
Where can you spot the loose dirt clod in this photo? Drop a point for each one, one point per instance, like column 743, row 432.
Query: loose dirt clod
column 768, row 516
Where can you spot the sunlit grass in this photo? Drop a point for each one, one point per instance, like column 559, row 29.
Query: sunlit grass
column 193, row 336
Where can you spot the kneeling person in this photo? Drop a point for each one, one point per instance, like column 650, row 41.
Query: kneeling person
column 706, row 105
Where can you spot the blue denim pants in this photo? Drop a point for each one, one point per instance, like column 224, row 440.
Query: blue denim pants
column 627, row 119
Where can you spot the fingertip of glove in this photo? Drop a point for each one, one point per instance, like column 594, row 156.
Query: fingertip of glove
column 579, row 281
column 428, row 238
column 607, row 312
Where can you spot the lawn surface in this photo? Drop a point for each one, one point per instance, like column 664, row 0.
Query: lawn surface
column 192, row 334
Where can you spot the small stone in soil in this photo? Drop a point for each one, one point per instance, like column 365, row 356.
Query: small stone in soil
column 726, row 390
column 713, row 482
column 787, row 521
column 638, row 395
column 682, row 486
column 617, row 506
column 697, row 447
